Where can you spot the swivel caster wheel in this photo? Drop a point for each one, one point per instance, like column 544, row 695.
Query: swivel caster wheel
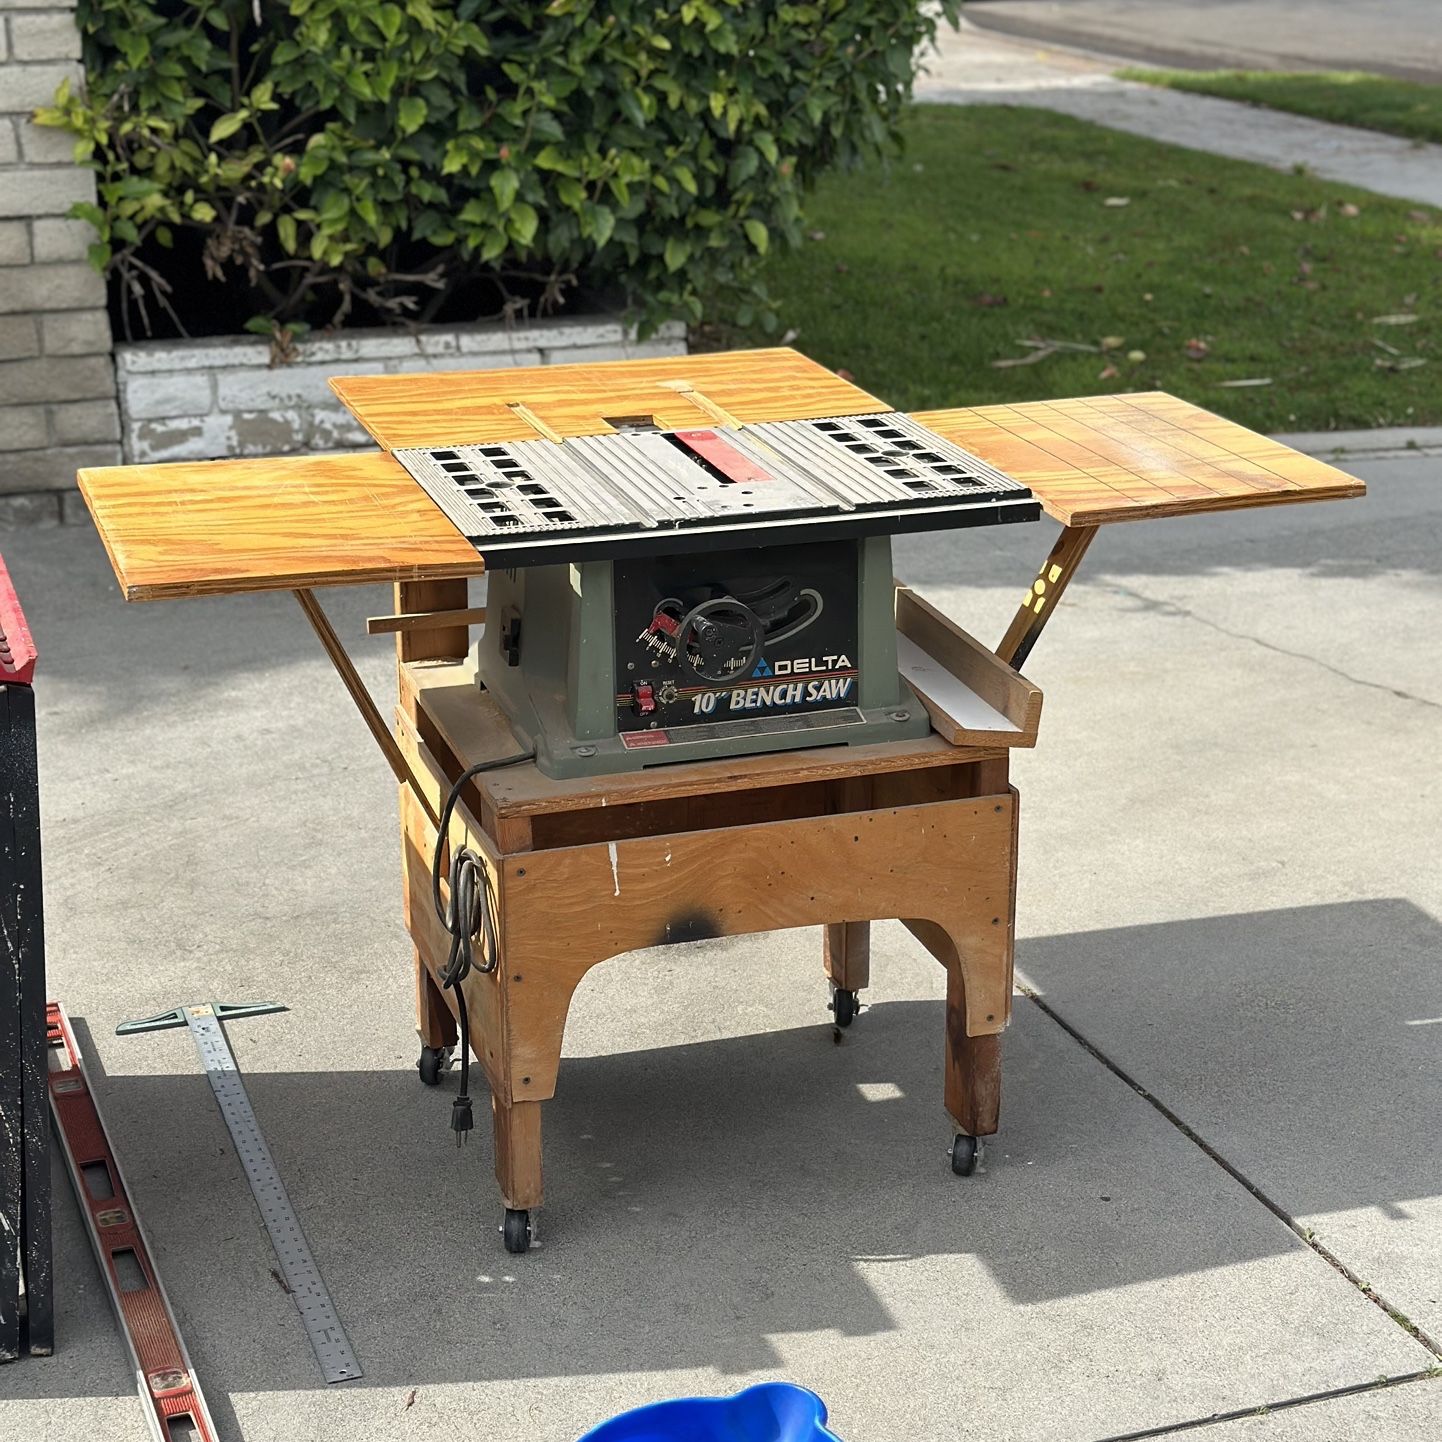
column 843, row 1006
column 516, row 1230
column 433, row 1061
column 965, row 1154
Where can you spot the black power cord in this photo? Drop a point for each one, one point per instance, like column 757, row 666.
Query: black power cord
column 470, row 915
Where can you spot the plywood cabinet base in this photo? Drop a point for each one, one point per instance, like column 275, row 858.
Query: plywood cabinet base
column 937, row 856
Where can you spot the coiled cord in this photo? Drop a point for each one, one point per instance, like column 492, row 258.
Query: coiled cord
column 471, row 915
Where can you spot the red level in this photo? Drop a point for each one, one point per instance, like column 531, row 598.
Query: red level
column 171, row 1394
column 17, row 650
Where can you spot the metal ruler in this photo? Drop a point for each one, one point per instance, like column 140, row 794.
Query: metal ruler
column 302, row 1277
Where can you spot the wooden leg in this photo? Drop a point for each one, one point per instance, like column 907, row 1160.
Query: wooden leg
column 518, row 1151
column 434, row 1022
column 847, row 955
column 973, row 1066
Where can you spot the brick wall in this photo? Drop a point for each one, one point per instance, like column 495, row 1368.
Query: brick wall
column 57, row 382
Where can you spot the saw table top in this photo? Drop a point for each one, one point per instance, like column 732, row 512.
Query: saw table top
column 221, row 527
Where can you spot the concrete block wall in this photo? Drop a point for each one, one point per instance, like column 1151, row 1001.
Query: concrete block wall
column 58, row 408
column 195, row 400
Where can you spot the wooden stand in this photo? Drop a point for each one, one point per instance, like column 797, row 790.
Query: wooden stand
column 582, row 871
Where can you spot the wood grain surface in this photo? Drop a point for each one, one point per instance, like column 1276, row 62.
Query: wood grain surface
column 198, row 528
column 1099, row 459
column 453, row 408
column 220, row 527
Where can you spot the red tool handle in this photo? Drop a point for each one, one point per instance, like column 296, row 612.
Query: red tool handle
column 17, row 650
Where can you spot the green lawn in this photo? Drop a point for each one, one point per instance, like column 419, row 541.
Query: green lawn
column 998, row 236
column 1348, row 97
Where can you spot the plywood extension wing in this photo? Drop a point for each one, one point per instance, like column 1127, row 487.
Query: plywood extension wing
column 1099, row 459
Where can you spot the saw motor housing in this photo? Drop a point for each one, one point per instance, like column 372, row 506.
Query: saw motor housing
column 614, row 665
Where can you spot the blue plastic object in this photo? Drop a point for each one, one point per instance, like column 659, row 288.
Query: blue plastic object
column 769, row 1412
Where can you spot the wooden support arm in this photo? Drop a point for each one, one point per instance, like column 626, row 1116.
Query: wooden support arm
column 1034, row 612
column 370, row 713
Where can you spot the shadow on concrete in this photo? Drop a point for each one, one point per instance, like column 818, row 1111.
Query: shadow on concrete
column 1304, row 1044
column 703, row 1199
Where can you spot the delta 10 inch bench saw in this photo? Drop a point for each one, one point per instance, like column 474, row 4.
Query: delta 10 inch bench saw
column 669, row 595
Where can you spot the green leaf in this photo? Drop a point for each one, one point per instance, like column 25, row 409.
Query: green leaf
column 285, row 228
column 677, row 253
column 757, row 234
column 631, row 109
column 523, row 222
column 603, row 224
column 686, row 178
column 388, row 20
column 572, row 192
column 549, row 158
column 410, row 114
column 504, row 185
column 227, row 125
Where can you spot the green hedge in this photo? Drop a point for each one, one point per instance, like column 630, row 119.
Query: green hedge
column 348, row 160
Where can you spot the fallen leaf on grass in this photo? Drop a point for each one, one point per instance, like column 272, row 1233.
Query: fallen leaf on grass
column 1024, row 360
column 1197, row 349
column 1349, row 210
column 1108, row 373
column 1250, row 381
column 1136, row 357
column 1113, row 342
column 789, row 337
column 1382, row 345
column 1401, row 318
column 843, row 374
column 816, row 235
column 1117, row 201
column 842, row 267
column 1420, row 216
column 988, row 299
column 1036, row 342
column 1401, row 363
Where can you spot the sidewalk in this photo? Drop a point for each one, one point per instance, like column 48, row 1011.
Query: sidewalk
column 973, row 67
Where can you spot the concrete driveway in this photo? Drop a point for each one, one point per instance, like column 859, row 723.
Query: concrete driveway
column 1392, row 37
column 1230, row 909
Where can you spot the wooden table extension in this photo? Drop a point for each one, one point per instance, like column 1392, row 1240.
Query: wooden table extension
column 581, row 871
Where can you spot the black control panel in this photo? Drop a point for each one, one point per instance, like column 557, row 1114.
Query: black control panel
column 746, row 636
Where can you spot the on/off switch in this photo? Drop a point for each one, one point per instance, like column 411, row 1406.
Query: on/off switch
column 643, row 698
